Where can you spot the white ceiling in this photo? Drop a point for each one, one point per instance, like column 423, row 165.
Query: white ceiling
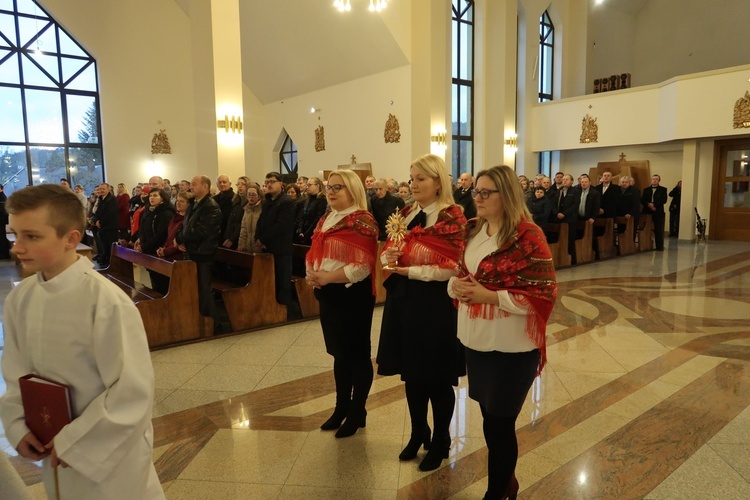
column 292, row 47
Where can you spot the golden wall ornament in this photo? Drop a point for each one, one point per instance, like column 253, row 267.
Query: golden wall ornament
column 589, row 130
column 392, row 132
column 320, row 139
column 742, row 112
column 160, row 144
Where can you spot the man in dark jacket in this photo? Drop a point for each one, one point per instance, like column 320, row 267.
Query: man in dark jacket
column 274, row 234
column 565, row 210
column 653, row 200
column 224, row 199
column 462, row 195
column 106, row 220
column 383, row 205
column 200, row 238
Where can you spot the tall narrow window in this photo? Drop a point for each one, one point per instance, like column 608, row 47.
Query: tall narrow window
column 463, row 87
column 288, row 157
column 546, row 57
column 49, row 102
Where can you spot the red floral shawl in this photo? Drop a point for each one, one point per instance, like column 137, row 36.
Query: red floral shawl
column 352, row 240
column 523, row 266
column 439, row 245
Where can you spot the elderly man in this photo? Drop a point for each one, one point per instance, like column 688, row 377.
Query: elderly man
column 370, row 186
column 106, row 221
column 610, row 196
column 155, row 182
column 224, row 199
column 653, row 200
column 302, row 185
column 383, row 205
column 462, row 195
column 565, row 204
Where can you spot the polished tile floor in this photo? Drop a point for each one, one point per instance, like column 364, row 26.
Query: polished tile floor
column 645, row 395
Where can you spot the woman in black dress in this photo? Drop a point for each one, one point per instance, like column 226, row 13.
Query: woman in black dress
column 418, row 335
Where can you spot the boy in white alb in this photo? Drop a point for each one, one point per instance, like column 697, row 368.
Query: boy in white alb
column 70, row 324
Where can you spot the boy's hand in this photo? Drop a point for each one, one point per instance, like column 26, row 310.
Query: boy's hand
column 31, row 447
column 54, row 461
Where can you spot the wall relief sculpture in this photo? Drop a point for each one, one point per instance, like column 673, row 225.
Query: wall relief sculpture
column 160, row 144
column 742, row 112
column 320, row 139
column 392, row 132
column 589, row 130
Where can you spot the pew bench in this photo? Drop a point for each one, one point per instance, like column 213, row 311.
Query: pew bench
column 605, row 243
column 81, row 249
column 308, row 304
column 252, row 304
column 585, row 244
column 559, row 249
column 645, row 233
column 169, row 319
column 626, row 240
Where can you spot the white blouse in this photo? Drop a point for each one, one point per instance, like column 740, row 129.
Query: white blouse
column 425, row 272
column 354, row 272
column 505, row 334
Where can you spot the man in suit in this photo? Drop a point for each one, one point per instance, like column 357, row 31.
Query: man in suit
column 610, row 196
column 224, row 199
column 565, row 210
column 590, row 202
column 106, row 220
column 274, row 234
column 653, row 200
column 462, row 195
column 383, row 205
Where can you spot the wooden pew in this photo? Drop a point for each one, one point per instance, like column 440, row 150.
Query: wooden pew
column 645, row 233
column 253, row 304
column 585, row 244
column 606, row 242
column 305, row 293
column 169, row 319
column 559, row 249
column 625, row 241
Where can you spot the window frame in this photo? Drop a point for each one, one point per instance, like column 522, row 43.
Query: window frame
column 462, row 14
column 292, row 150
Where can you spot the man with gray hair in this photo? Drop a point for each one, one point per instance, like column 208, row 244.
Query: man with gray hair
column 462, row 195
column 384, row 203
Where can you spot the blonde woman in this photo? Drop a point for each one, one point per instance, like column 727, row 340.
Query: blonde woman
column 418, row 335
column 506, row 290
column 340, row 265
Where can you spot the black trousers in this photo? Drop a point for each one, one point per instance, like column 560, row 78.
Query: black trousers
column 658, row 220
column 107, row 237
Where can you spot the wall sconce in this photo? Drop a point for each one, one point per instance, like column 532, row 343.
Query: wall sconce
column 234, row 124
column 512, row 142
column 438, row 139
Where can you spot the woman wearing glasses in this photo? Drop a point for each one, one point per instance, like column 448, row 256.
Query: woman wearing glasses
column 340, row 265
column 505, row 290
column 418, row 335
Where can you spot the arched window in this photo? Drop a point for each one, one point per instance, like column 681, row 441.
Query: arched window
column 49, row 102
column 463, row 87
column 288, row 157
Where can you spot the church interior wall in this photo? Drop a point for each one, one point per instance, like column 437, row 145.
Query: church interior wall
column 143, row 52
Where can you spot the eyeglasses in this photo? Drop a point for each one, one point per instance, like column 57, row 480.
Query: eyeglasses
column 483, row 193
column 335, row 187
column 269, row 182
column 252, row 195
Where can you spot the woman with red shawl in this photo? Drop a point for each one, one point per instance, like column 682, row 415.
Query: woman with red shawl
column 340, row 265
column 505, row 293
column 418, row 334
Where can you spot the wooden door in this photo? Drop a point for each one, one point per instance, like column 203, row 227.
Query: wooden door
column 730, row 200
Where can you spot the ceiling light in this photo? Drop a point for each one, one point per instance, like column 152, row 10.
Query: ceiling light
column 346, row 5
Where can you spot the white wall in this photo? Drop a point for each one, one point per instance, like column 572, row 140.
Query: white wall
column 143, row 53
column 354, row 116
column 611, row 44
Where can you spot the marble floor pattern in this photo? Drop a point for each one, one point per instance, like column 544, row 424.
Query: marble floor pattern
column 646, row 395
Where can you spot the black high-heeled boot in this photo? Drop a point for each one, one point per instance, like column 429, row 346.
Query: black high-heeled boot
column 335, row 420
column 418, row 438
column 355, row 419
column 439, row 449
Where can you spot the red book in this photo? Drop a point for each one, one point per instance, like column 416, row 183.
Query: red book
column 47, row 406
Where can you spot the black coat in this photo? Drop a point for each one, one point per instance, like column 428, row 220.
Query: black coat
column 593, row 202
column 540, row 209
column 382, row 208
column 312, row 211
column 234, row 222
column 629, row 202
column 610, row 199
column 463, row 198
column 154, row 227
column 200, row 229
column 107, row 213
column 659, row 200
column 275, row 229
column 224, row 200
column 568, row 206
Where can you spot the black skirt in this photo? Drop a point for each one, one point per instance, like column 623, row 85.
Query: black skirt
column 346, row 318
column 500, row 381
column 418, row 334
